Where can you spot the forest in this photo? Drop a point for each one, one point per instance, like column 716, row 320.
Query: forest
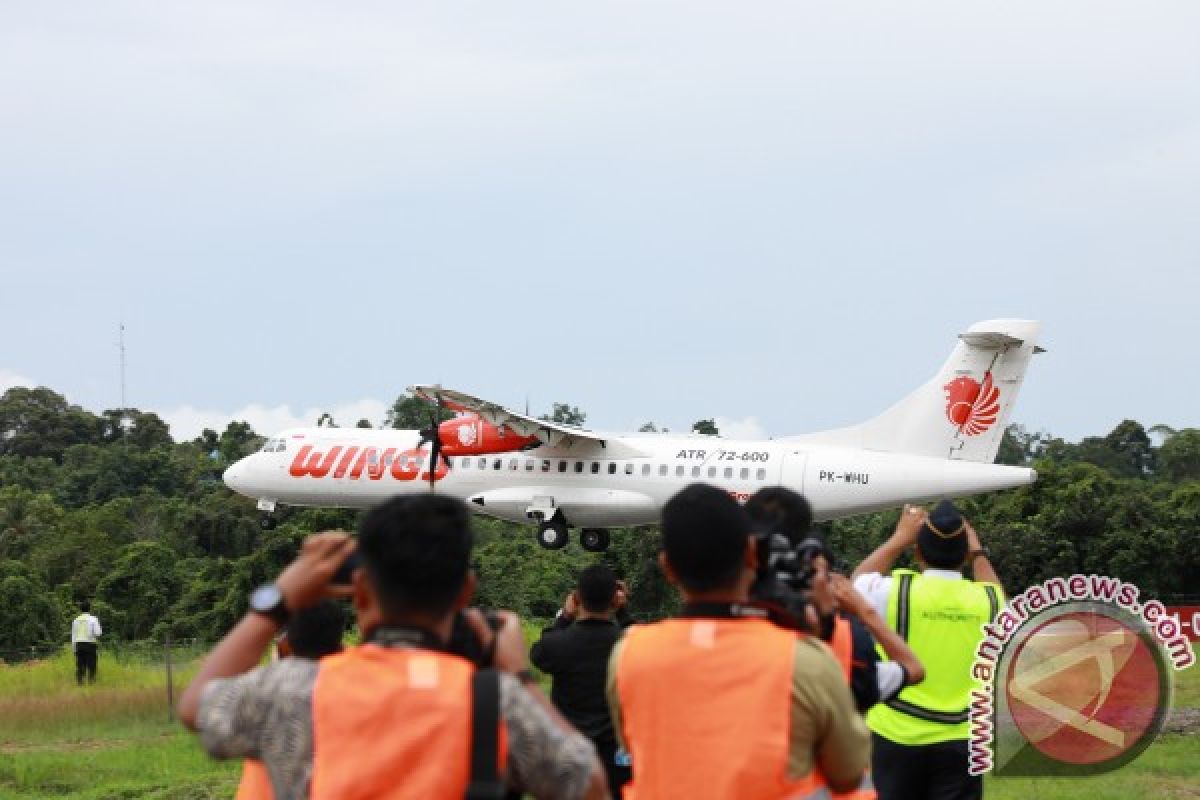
column 109, row 507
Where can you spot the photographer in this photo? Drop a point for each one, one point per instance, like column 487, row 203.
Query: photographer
column 392, row 717
column 920, row 736
column 574, row 650
column 839, row 615
column 720, row 702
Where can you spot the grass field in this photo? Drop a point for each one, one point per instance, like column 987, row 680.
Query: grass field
column 114, row 742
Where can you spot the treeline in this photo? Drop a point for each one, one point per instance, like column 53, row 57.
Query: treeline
column 108, row 507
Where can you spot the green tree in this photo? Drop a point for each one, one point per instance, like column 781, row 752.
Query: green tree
column 411, row 413
column 1179, row 456
column 238, row 441
column 648, row 427
column 707, row 427
column 30, row 614
column 40, row 422
column 27, row 520
column 130, row 426
column 565, row 414
column 142, row 584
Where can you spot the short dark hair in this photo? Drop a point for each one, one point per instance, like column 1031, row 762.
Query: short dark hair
column 85, row 607
column 704, row 537
column 779, row 509
column 416, row 550
column 317, row 631
column 597, row 585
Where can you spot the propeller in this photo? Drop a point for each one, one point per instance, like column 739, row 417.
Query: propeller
column 430, row 435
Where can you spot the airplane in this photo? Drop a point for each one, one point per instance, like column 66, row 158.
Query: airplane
column 939, row 441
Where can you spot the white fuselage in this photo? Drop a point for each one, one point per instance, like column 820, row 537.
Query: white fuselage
column 624, row 482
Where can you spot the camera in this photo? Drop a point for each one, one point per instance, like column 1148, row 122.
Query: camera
column 465, row 642
column 783, row 586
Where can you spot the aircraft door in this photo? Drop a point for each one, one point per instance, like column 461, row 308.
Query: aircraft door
column 792, row 474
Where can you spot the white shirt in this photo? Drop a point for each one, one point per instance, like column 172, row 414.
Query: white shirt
column 85, row 628
column 878, row 588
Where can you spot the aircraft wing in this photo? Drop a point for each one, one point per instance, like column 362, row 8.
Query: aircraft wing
column 552, row 434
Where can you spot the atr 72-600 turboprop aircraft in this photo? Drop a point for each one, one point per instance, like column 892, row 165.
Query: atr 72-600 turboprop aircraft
column 937, row 442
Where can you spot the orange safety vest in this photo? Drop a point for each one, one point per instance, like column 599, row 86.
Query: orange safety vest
column 706, row 710
column 255, row 783
column 842, row 644
column 393, row 723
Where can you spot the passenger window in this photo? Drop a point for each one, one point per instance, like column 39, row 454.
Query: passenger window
column 645, row 469
column 579, row 466
column 761, row 475
column 662, row 470
column 387, row 460
column 729, row 472
column 483, row 463
column 629, row 469
column 545, row 465
column 449, row 461
column 420, row 462
column 513, row 464
column 695, row 472
column 745, row 473
column 497, row 463
column 529, row 465
column 712, row 472
column 679, row 471
column 562, row 466
column 612, row 468
column 595, row 467
column 373, row 457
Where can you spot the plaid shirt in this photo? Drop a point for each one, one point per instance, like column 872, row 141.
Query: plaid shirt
column 266, row 714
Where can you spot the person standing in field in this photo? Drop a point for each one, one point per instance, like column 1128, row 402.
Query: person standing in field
column 85, row 630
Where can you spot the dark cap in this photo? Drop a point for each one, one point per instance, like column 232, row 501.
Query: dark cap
column 942, row 540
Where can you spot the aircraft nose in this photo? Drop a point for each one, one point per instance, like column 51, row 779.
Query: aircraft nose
column 235, row 476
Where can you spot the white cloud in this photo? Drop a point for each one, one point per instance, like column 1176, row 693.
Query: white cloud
column 746, row 428
column 187, row 421
column 9, row 379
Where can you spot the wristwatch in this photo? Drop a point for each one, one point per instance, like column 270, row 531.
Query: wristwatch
column 974, row 554
column 269, row 601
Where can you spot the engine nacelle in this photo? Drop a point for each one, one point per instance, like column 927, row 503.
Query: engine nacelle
column 470, row 435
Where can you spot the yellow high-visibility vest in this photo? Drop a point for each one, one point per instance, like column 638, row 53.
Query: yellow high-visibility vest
column 941, row 619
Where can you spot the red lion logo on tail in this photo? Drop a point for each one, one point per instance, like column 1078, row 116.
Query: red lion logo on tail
column 971, row 406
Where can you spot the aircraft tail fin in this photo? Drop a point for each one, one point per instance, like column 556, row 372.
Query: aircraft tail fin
column 961, row 412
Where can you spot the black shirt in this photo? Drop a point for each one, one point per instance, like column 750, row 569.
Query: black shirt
column 575, row 655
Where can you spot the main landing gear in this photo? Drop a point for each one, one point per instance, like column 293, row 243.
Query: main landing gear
column 594, row 540
column 554, row 535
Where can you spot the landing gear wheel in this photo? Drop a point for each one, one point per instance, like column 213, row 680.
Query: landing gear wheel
column 594, row 540
column 553, row 536
column 267, row 522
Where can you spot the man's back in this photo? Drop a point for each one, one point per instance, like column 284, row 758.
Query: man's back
column 732, row 707
column 576, row 656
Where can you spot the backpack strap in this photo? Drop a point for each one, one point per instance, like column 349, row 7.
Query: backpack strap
column 485, row 782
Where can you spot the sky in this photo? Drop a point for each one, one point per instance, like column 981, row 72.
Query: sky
column 777, row 214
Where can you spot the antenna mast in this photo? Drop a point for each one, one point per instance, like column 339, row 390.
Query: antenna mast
column 121, row 346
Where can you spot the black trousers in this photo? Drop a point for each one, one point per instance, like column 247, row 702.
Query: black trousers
column 923, row 772
column 85, row 662
column 617, row 776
